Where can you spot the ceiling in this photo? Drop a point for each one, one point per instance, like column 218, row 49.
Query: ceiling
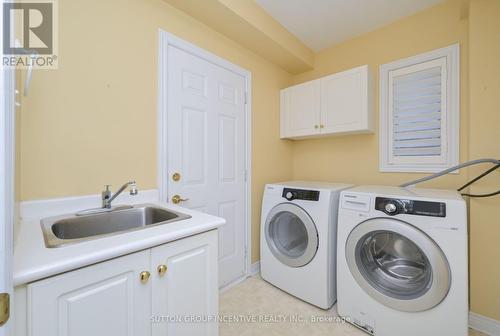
column 320, row 24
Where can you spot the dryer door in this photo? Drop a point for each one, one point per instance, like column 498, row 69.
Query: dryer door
column 397, row 264
column 291, row 234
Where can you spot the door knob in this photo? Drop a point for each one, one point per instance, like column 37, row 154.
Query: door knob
column 144, row 276
column 176, row 199
column 176, row 177
column 162, row 269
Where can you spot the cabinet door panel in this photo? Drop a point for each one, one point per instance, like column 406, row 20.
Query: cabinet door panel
column 188, row 290
column 105, row 299
column 301, row 110
column 344, row 102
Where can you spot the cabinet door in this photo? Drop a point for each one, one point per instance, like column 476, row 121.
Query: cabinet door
column 105, row 299
column 300, row 110
column 345, row 102
column 187, row 289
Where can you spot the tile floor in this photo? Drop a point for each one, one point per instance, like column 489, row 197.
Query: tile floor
column 261, row 306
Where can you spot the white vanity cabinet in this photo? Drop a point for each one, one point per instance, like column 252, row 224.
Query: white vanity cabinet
column 188, row 289
column 336, row 104
column 107, row 298
column 151, row 292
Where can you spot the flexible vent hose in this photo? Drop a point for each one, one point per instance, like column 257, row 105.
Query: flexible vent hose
column 449, row 170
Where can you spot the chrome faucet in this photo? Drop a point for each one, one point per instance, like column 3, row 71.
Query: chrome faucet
column 107, row 198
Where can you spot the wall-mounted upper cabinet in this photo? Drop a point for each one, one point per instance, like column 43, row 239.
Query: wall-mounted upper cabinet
column 336, row 104
column 300, row 109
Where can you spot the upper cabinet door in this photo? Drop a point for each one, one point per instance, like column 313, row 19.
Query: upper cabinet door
column 185, row 285
column 346, row 102
column 300, row 110
column 337, row 104
column 105, row 299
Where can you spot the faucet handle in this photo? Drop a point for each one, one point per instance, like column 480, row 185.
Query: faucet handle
column 133, row 189
column 106, row 194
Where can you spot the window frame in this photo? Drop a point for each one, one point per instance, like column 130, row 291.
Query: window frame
column 450, row 123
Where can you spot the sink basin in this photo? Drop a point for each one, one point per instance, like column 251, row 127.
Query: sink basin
column 70, row 229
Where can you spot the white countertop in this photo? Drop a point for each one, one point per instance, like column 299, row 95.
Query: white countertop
column 34, row 261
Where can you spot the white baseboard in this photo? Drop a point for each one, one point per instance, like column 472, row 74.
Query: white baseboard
column 232, row 284
column 255, row 268
column 484, row 324
column 57, row 206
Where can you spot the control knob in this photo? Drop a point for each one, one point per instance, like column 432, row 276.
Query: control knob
column 290, row 195
column 391, row 208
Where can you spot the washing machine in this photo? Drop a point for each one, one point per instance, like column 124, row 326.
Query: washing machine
column 402, row 261
column 298, row 239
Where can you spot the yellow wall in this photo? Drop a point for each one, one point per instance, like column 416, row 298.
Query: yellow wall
column 485, row 142
column 354, row 158
column 93, row 121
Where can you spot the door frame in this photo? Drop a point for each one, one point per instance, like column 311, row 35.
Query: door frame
column 167, row 39
column 7, row 169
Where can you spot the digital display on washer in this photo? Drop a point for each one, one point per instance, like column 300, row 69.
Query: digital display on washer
column 300, row 194
column 395, row 206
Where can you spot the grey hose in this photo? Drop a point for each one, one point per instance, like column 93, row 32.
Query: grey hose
column 449, row 170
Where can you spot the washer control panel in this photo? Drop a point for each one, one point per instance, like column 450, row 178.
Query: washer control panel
column 300, row 194
column 396, row 206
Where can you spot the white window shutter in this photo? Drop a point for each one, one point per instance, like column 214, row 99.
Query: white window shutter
column 419, row 114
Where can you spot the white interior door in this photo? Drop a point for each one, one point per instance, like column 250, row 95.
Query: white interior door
column 206, row 147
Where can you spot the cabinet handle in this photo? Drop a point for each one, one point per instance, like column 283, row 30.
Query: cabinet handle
column 144, row 276
column 162, row 269
column 321, row 126
column 316, row 126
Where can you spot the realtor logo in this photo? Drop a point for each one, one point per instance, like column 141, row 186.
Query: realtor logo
column 30, row 34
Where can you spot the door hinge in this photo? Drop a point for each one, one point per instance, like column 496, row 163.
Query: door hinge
column 246, row 175
column 246, row 98
column 4, row 308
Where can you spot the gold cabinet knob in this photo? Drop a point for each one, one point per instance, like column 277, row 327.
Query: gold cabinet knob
column 162, row 269
column 321, row 126
column 176, row 199
column 144, row 276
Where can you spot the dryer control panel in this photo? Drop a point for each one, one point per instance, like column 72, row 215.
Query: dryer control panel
column 395, row 206
column 300, row 194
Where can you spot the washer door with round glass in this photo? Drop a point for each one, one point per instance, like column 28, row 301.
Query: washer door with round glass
column 397, row 264
column 291, row 235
